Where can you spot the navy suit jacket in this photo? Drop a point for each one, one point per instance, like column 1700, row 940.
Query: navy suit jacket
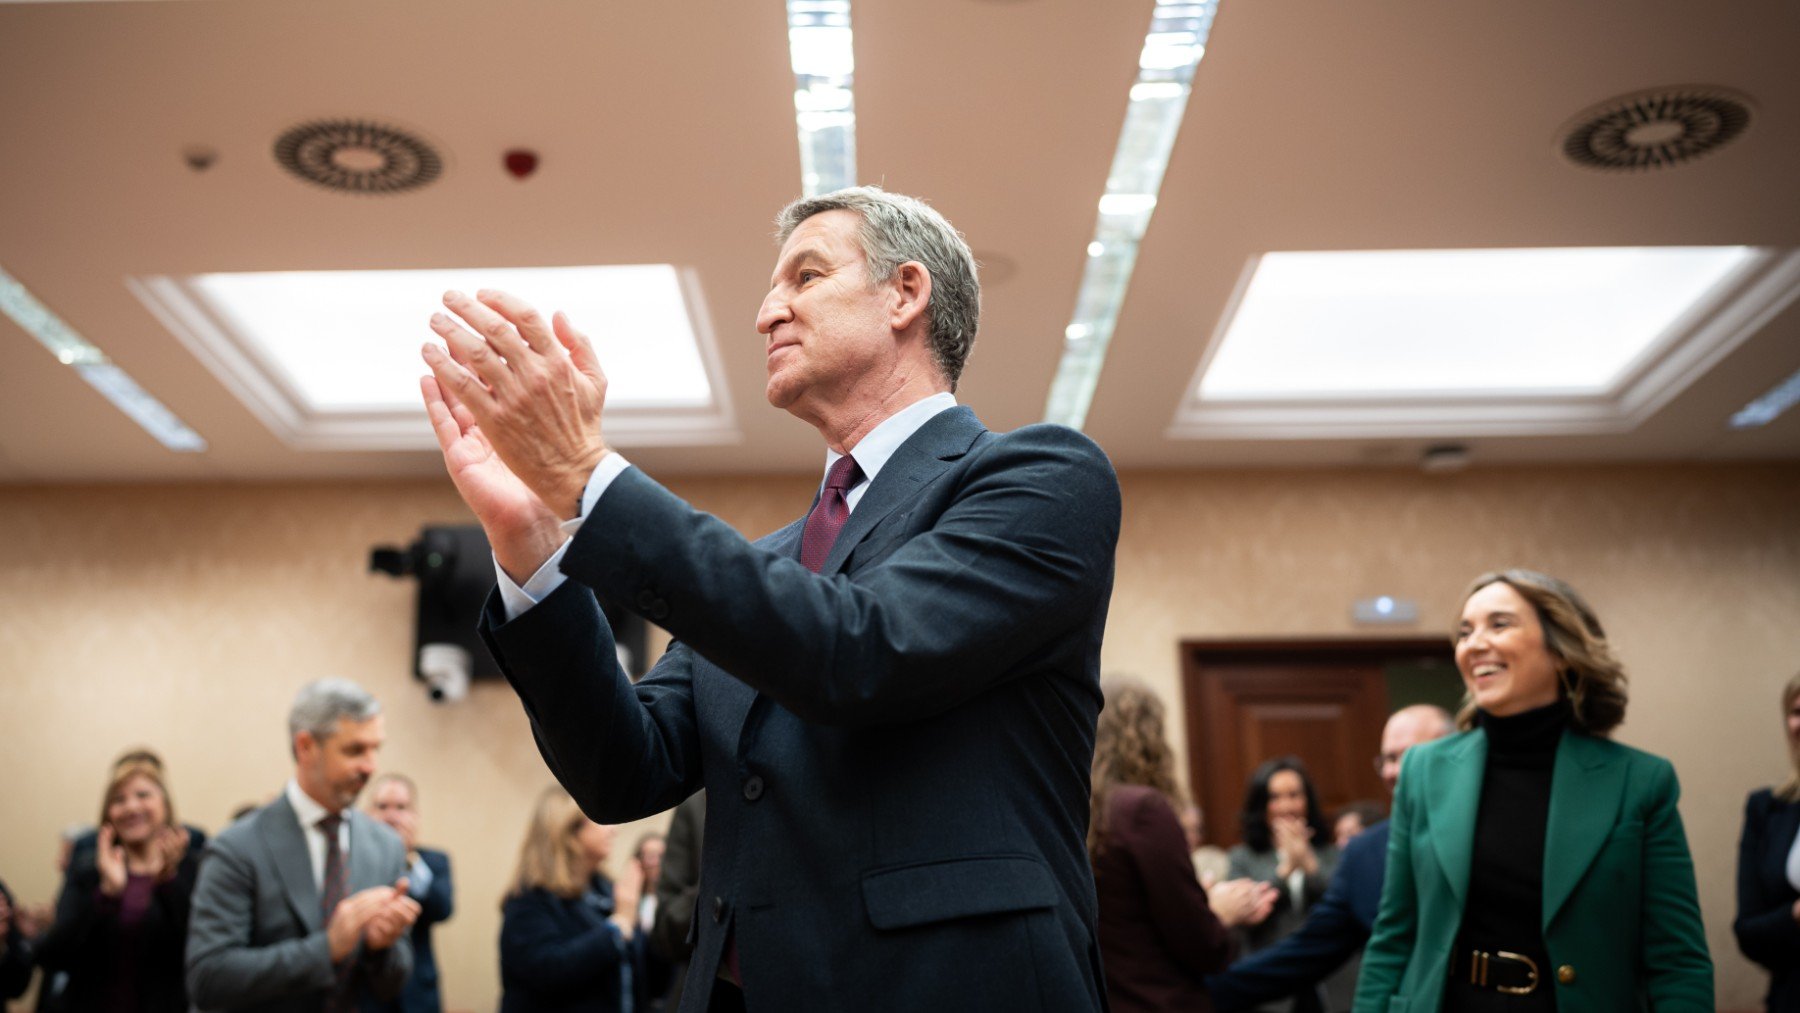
column 421, row 992
column 561, row 954
column 1765, row 926
column 895, row 750
column 1336, row 929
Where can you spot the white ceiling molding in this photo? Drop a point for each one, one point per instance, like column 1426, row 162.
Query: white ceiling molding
column 1735, row 311
column 263, row 388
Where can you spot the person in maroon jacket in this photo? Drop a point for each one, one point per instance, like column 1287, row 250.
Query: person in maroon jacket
column 1160, row 931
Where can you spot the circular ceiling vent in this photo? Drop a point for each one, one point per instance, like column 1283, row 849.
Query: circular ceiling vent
column 1655, row 129
column 356, row 156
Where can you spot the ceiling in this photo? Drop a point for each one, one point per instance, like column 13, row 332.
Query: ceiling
column 666, row 133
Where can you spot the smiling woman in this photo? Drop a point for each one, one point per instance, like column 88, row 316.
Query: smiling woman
column 122, row 917
column 1557, row 863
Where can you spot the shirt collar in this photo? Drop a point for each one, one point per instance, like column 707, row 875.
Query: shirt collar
column 306, row 808
column 873, row 450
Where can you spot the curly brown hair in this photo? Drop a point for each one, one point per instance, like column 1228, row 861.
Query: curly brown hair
column 1593, row 680
column 1129, row 748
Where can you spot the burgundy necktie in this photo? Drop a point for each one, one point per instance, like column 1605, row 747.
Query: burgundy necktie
column 336, row 883
column 829, row 514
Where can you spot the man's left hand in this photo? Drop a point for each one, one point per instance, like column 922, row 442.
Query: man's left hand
column 536, row 390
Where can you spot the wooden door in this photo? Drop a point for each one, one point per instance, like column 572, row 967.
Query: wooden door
column 1324, row 702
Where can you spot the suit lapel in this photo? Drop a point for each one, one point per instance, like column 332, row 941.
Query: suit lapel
column 365, row 870
column 293, row 862
column 924, row 456
column 1452, row 798
column 1586, row 789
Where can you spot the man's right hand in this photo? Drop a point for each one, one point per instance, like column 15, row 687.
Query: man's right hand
column 521, row 529
column 351, row 916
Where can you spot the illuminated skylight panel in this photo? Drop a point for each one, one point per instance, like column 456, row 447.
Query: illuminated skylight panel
column 347, row 341
column 1172, row 49
column 71, row 349
column 824, row 60
column 1431, row 322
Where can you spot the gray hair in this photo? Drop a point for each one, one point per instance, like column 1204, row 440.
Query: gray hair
column 320, row 703
column 896, row 229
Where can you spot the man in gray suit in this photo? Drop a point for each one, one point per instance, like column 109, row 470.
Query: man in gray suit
column 302, row 905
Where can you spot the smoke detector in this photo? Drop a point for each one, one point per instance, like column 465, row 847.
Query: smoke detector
column 1655, row 129
column 357, row 156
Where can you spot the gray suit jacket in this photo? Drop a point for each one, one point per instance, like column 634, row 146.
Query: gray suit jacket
column 256, row 939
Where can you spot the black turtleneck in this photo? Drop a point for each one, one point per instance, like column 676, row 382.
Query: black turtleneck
column 1505, row 909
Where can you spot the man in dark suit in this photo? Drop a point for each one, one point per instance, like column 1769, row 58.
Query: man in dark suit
column 890, row 702
column 1338, row 926
column 301, row 905
column 394, row 800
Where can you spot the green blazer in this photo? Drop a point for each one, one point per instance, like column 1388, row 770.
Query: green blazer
column 1621, row 915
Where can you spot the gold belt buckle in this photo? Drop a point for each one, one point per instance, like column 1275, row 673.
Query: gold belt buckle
column 1481, row 960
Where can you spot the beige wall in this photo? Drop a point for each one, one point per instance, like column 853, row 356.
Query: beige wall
column 184, row 617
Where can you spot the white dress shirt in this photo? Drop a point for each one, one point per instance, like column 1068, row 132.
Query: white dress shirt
column 310, row 812
column 871, row 452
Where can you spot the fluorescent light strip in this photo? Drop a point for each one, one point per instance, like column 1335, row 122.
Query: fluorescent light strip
column 71, row 349
column 819, row 44
column 1172, row 49
column 1770, row 406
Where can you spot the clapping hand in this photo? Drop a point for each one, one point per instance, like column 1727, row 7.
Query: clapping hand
column 376, row 916
column 628, row 890
column 532, row 390
column 1241, row 901
column 109, row 858
column 169, row 846
column 392, row 919
column 1293, row 841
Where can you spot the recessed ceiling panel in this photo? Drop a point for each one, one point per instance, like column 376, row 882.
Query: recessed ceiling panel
column 330, row 359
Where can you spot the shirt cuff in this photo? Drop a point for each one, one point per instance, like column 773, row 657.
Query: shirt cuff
column 518, row 600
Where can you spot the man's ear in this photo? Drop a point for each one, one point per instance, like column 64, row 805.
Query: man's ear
column 304, row 745
column 912, row 295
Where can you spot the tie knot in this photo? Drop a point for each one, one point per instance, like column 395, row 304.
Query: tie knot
column 843, row 474
column 330, row 822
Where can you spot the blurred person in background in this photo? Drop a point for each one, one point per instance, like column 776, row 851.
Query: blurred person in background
column 1353, row 819
column 658, row 969
column 1287, row 844
column 394, row 800
column 1535, row 864
column 302, row 904
column 122, row 915
column 1328, row 943
column 16, row 954
column 677, row 891
column 568, row 935
column 1768, row 873
column 1160, row 931
column 1211, row 863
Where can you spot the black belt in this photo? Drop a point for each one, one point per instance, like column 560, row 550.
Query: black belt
column 1504, row 971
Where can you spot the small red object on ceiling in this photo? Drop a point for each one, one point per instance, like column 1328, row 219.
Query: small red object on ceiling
column 521, row 162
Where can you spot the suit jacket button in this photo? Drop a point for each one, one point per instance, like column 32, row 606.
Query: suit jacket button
column 753, row 788
column 1566, row 974
column 718, row 909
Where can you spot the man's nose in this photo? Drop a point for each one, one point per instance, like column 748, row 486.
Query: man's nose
column 774, row 310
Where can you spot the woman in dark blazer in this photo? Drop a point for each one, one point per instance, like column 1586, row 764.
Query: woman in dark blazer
column 1768, row 874
column 568, row 936
column 1160, row 933
column 122, row 917
column 1533, row 864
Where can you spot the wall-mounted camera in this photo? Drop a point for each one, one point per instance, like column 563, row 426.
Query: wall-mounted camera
column 455, row 571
